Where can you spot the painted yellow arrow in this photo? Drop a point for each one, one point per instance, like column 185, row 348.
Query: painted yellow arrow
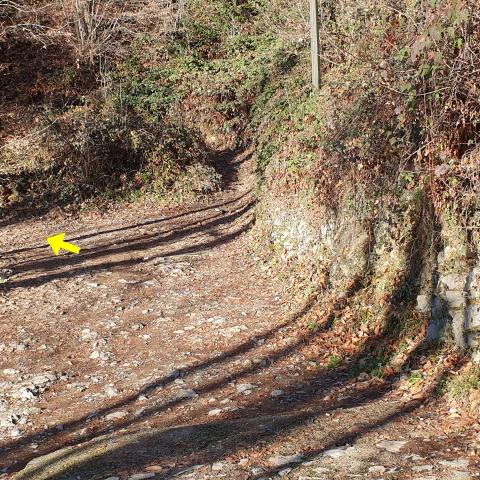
column 57, row 242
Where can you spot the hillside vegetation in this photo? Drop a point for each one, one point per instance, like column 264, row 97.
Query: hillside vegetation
column 125, row 101
column 368, row 189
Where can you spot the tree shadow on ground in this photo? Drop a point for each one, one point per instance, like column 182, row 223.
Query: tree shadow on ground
column 187, row 446
column 156, row 385
column 278, row 419
column 69, row 266
column 134, row 226
column 177, row 448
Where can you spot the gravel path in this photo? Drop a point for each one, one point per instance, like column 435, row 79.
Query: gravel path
column 163, row 350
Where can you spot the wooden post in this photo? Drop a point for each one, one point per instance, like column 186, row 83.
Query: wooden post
column 314, row 22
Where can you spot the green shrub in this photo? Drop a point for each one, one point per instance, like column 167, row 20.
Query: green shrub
column 334, row 361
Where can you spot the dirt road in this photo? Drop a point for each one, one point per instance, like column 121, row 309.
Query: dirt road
column 164, row 350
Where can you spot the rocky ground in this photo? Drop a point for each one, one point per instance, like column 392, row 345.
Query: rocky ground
column 164, row 350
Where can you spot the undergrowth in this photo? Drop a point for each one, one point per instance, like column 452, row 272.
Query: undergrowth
column 164, row 111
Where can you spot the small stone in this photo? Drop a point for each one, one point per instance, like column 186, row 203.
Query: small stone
column 257, row 470
column 230, row 332
column 217, row 320
column 216, row 467
column 338, row 452
column 215, row 412
column 414, row 457
column 88, row 334
column 284, row 472
column 44, row 379
column 283, row 460
column 245, row 387
column 460, row 476
column 423, row 468
column 113, row 478
column 460, row 463
column 9, row 420
column 380, row 469
column 115, row 415
column 111, row 391
column 141, row 476
column 321, row 470
column 277, row 393
column 391, row 446
column 26, row 393
column 187, row 393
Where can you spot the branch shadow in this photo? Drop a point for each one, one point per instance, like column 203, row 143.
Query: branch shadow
column 269, row 359
column 132, row 245
column 152, row 387
column 191, row 445
column 210, row 442
column 139, row 225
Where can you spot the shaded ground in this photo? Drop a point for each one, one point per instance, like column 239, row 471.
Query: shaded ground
column 164, row 349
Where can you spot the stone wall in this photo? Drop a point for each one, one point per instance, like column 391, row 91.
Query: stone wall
column 306, row 241
column 396, row 246
column 454, row 300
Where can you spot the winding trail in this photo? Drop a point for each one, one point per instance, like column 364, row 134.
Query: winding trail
column 165, row 349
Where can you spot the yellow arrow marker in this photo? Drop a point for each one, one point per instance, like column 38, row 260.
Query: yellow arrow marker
column 57, row 242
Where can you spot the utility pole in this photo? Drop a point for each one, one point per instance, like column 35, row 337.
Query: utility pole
column 314, row 22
